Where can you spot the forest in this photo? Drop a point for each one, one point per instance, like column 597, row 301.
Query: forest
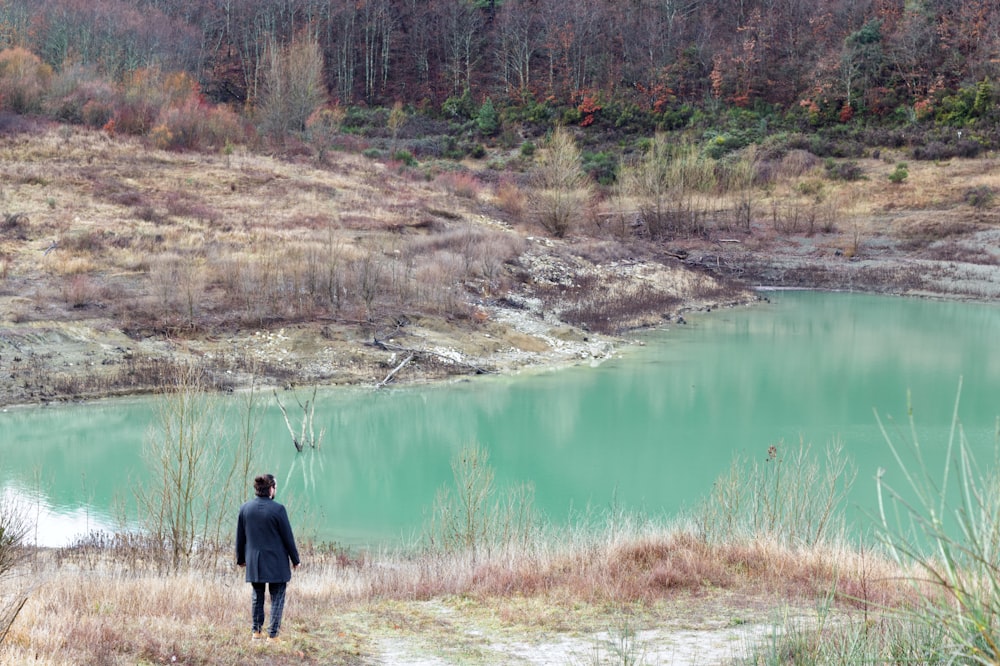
column 621, row 64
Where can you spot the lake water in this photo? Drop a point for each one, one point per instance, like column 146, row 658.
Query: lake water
column 647, row 431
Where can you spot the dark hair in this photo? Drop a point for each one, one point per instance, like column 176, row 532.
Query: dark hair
column 262, row 485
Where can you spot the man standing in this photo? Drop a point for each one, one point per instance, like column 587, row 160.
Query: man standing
column 264, row 546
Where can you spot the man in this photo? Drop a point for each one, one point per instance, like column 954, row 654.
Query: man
column 264, row 546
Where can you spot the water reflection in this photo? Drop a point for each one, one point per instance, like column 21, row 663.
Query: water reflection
column 51, row 526
column 648, row 430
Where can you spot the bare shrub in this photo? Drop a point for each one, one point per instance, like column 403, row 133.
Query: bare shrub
column 460, row 184
column 77, row 94
column 14, row 225
column 198, row 471
column 24, row 79
column 88, row 240
column 979, row 197
column 323, row 126
column 670, row 184
column 511, row 199
column 792, row 217
column 789, row 498
column 562, row 189
column 368, row 273
column 293, row 87
column 118, row 192
column 79, row 290
column 436, row 280
column 798, row 162
column 611, row 311
column 15, row 526
column 471, row 517
column 141, row 99
column 186, row 204
column 194, row 125
column 255, row 285
column 737, row 183
column 179, row 284
column 957, row 252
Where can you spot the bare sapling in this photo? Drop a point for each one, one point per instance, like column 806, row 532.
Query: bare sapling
column 472, row 517
column 15, row 525
column 197, row 470
column 563, row 190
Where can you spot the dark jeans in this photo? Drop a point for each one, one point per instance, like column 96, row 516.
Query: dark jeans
column 277, row 606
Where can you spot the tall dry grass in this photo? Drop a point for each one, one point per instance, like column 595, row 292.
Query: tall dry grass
column 117, row 608
column 110, row 599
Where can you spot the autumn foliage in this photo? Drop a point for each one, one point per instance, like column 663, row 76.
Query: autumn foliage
column 592, row 63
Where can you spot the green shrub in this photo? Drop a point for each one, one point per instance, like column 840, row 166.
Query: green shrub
column 899, row 174
column 980, row 196
column 811, row 188
column 405, row 156
column 459, row 107
column 843, row 170
column 675, row 119
column 602, row 166
column 488, row 121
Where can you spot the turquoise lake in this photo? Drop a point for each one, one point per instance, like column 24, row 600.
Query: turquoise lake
column 649, row 430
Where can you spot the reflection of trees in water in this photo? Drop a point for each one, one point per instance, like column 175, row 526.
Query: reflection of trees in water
column 659, row 423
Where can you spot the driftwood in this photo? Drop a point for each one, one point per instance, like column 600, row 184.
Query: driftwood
column 713, row 263
column 416, row 353
column 392, row 373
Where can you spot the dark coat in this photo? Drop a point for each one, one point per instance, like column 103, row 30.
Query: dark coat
column 264, row 541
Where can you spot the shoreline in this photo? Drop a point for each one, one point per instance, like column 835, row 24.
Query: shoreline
column 574, row 349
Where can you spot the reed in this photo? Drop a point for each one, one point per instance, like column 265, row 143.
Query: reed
column 940, row 532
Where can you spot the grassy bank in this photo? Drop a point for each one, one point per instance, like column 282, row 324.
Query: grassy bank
column 88, row 606
column 767, row 550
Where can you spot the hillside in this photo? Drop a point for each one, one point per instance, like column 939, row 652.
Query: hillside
column 118, row 262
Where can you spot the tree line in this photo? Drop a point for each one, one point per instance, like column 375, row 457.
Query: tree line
column 825, row 61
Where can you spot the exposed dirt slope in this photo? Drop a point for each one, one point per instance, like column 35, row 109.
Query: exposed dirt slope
column 118, row 262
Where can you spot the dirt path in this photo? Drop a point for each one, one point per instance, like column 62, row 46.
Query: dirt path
column 653, row 647
column 706, row 628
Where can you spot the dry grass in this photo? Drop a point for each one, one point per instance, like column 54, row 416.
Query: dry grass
column 267, row 216
column 110, row 233
column 86, row 608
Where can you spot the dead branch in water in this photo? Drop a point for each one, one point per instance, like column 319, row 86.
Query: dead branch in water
column 307, row 432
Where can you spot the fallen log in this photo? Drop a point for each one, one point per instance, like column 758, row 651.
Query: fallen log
column 392, row 373
column 414, row 353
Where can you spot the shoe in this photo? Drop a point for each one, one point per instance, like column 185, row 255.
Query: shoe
column 257, row 636
column 274, row 639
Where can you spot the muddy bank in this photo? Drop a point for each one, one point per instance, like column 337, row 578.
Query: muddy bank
column 565, row 310
column 881, row 265
column 89, row 358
